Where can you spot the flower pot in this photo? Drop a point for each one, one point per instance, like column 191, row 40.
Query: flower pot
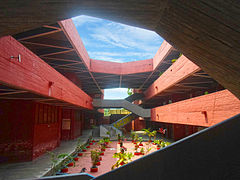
column 100, row 158
column 119, row 143
column 94, row 169
column 88, row 147
column 84, row 150
column 64, row 170
column 134, row 143
column 141, row 153
column 158, row 148
column 80, row 154
column 98, row 163
column 102, row 153
column 75, row 159
column 70, row 164
column 90, row 143
column 137, row 153
column 107, row 142
column 136, row 146
column 93, row 141
column 141, row 144
column 122, row 163
column 102, row 149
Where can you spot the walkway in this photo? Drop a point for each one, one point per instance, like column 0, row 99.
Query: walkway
column 40, row 166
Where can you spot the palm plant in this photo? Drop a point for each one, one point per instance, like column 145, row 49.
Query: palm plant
column 123, row 158
column 149, row 133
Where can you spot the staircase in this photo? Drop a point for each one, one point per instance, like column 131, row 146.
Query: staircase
column 100, row 103
column 124, row 120
column 135, row 96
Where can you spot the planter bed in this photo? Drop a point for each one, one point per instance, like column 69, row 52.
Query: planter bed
column 107, row 161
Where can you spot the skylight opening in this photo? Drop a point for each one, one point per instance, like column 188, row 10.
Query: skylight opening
column 116, row 42
column 116, row 93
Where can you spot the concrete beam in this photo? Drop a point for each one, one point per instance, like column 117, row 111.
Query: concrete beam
column 179, row 71
column 34, row 75
column 205, row 110
column 99, row 66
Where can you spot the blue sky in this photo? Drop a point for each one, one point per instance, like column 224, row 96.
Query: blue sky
column 111, row 41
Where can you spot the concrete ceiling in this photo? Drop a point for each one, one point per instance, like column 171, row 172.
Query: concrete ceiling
column 207, row 32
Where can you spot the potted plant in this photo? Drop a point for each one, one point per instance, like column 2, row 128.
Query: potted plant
column 123, row 158
column 83, row 148
column 142, row 152
column 119, row 138
column 79, row 148
column 133, row 136
column 75, row 158
column 148, row 149
column 149, row 133
column 140, row 139
column 95, row 160
column 164, row 144
column 54, row 160
column 69, row 161
column 158, row 143
column 135, row 139
column 102, row 144
column 136, row 150
column 64, row 169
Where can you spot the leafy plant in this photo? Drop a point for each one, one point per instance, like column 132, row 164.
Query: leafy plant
column 174, row 60
column 142, row 151
column 140, row 139
column 54, row 159
column 159, row 143
column 123, row 158
column 148, row 149
column 130, row 91
column 106, row 140
column 102, row 144
column 95, row 157
column 133, row 134
column 136, row 139
column 68, row 158
column 79, row 145
column 149, row 133
column 119, row 137
column 164, row 144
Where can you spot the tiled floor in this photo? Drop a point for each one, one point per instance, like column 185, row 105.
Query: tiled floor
column 41, row 165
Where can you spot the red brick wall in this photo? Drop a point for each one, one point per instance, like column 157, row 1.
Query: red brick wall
column 16, row 130
column 139, row 124
column 205, row 110
column 66, row 133
column 46, row 129
column 76, row 118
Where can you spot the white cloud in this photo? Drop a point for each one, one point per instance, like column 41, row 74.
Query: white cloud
column 115, row 93
column 81, row 20
column 127, row 37
column 106, row 40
